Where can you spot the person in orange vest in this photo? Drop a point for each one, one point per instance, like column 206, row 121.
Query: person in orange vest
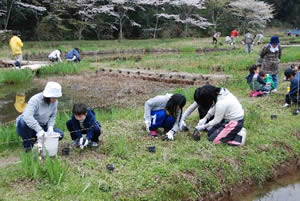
column 16, row 45
column 234, row 35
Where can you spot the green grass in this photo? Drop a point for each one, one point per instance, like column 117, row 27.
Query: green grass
column 65, row 68
column 51, row 169
column 8, row 138
column 14, row 76
column 179, row 170
column 229, row 62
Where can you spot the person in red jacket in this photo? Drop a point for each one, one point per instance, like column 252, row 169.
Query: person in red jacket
column 234, row 35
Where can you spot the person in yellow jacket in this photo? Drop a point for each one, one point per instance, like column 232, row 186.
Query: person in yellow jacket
column 16, row 45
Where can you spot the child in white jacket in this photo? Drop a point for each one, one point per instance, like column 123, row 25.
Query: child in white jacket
column 225, row 118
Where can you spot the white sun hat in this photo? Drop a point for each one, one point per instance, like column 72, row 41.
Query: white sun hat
column 52, row 90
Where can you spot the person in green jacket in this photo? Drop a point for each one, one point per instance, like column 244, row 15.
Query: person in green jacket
column 268, row 80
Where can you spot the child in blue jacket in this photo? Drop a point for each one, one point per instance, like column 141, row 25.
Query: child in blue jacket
column 73, row 55
column 294, row 92
column 83, row 121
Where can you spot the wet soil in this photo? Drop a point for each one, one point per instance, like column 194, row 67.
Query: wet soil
column 102, row 91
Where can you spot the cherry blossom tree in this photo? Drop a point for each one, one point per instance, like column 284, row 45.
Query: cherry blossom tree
column 216, row 10
column 252, row 15
column 159, row 6
column 120, row 12
column 188, row 13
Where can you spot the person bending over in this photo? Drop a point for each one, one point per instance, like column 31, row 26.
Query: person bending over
column 164, row 111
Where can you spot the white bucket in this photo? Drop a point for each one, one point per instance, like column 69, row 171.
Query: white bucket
column 51, row 144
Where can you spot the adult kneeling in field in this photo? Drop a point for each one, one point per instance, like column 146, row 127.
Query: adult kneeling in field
column 39, row 116
column 164, row 111
column 270, row 59
column 227, row 113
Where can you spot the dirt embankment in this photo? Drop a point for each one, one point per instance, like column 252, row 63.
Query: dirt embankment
column 164, row 76
column 208, row 50
column 105, row 53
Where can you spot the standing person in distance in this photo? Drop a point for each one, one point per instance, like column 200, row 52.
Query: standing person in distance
column 270, row 58
column 16, row 45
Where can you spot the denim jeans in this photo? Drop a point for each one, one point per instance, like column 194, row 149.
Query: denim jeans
column 289, row 99
column 275, row 80
column 95, row 129
column 248, row 48
column 28, row 135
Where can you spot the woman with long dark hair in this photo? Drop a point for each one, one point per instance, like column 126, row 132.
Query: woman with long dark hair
column 225, row 118
column 164, row 111
column 201, row 110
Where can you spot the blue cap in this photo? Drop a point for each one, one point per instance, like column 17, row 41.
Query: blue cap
column 274, row 40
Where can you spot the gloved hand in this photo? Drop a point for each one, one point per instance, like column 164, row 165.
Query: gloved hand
column 147, row 124
column 40, row 134
column 83, row 142
column 183, row 126
column 50, row 130
column 202, row 122
column 200, row 127
column 170, row 135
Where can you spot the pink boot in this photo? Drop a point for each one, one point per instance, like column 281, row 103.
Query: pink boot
column 153, row 133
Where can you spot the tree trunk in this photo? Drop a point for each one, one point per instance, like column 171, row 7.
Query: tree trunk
column 121, row 30
column 80, row 30
column 213, row 19
column 156, row 25
column 8, row 15
column 186, row 30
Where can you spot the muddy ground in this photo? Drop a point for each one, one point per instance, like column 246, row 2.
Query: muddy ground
column 102, row 91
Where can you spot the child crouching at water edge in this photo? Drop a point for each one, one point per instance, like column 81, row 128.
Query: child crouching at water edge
column 83, row 121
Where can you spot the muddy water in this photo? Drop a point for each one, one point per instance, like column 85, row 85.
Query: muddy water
column 283, row 189
column 8, row 96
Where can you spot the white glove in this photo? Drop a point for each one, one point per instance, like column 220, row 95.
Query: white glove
column 170, row 135
column 83, row 142
column 182, row 125
column 40, row 134
column 200, row 127
column 50, row 130
column 147, row 124
column 202, row 122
